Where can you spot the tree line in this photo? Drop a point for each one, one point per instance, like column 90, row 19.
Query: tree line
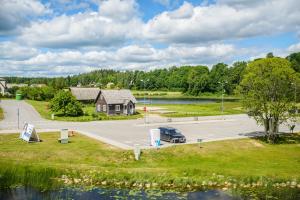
column 192, row 80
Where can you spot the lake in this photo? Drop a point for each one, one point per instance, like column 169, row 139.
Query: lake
column 107, row 194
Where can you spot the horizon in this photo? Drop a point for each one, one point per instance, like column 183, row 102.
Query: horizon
column 57, row 38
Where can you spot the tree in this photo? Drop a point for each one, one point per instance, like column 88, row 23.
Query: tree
column 270, row 55
column 65, row 103
column 294, row 58
column 218, row 73
column 267, row 93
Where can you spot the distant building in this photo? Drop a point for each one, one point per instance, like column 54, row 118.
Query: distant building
column 11, row 85
column 3, row 86
column 85, row 94
column 116, row 102
column 38, row 85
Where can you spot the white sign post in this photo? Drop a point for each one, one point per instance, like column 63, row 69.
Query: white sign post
column 137, row 152
column 64, row 137
column 29, row 134
column 155, row 137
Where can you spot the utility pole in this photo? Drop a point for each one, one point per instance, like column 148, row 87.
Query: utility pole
column 222, row 104
column 18, row 118
column 145, row 109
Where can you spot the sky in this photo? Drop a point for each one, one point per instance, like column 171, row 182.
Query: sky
column 65, row 37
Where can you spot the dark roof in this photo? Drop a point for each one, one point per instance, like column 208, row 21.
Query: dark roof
column 117, row 96
column 85, row 94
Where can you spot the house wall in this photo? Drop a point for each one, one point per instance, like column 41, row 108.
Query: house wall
column 128, row 107
column 112, row 109
column 2, row 87
column 101, row 102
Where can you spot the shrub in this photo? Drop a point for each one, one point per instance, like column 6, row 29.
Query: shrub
column 65, row 103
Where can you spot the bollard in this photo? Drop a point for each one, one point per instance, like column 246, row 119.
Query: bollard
column 52, row 116
column 199, row 141
column 137, row 152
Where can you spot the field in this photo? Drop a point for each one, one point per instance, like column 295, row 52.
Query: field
column 89, row 113
column 176, row 95
column 91, row 163
column 189, row 110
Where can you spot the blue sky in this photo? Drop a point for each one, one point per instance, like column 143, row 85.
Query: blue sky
column 63, row 37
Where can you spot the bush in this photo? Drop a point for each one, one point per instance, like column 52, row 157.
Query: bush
column 65, row 103
column 74, row 109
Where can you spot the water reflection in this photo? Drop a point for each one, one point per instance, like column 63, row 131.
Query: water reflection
column 98, row 193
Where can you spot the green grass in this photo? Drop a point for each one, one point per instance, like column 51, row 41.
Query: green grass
column 1, row 114
column 88, row 162
column 89, row 113
column 178, row 95
column 209, row 109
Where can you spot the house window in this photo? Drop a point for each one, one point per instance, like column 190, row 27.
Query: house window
column 98, row 107
column 117, row 107
column 104, row 108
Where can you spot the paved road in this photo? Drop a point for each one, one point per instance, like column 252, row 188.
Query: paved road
column 125, row 134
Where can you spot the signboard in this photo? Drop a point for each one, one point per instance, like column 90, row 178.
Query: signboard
column 29, row 134
column 155, row 137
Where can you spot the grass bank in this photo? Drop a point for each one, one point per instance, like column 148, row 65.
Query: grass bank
column 190, row 110
column 89, row 113
column 179, row 95
column 245, row 163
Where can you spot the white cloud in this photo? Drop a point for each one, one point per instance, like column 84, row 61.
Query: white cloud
column 222, row 22
column 294, row 48
column 16, row 13
column 11, row 50
column 128, row 57
column 119, row 10
column 104, row 29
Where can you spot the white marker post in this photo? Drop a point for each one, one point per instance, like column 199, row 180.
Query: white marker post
column 137, row 152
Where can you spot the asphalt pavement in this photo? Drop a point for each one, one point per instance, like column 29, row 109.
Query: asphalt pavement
column 127, row 133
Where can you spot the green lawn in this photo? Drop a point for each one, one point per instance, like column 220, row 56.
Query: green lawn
column 88, row 162
column 209, row 109
column 89, row 113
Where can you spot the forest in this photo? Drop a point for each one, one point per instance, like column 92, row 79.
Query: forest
column 191, row 80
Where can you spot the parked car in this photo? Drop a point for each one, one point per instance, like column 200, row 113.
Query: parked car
column 170, row 134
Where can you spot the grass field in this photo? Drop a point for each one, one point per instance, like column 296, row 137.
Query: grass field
column 178, row 95
column 209, row 109
column 88, row 162
column 89, row 113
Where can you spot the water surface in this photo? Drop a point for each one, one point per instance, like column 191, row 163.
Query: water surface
column 109, row 194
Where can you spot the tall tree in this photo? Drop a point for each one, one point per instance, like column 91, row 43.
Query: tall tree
column 267, row 93
column 294, row 58
column 218, row 74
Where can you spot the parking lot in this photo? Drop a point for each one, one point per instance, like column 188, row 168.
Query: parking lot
column 127, row 133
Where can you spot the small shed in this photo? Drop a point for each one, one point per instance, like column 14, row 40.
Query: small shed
column 116, row 102
column 85, row 94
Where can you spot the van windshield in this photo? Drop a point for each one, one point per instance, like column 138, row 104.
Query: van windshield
column 174, row 132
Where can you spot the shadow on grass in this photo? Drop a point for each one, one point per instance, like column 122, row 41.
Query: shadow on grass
column 281, row 138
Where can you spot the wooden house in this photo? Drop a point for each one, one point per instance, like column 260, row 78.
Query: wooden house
column 115, row 102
